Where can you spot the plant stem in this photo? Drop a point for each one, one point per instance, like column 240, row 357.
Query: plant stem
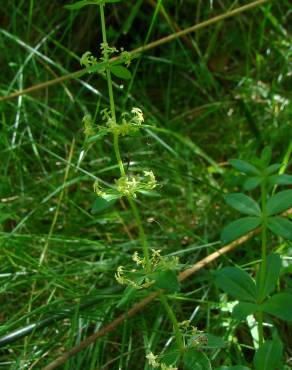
column 171, row 315
column 263, row 267
column 142, row 235
column 116, row 143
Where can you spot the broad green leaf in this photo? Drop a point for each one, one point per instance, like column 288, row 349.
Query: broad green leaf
column 280, row 226
column 166, row 280
column 280, row 179
column 213, row 341
column 279, row 305
column 238, row 228
column 171, row 356
column 121, row 72
column 101, row 204
column 82, row 3
column 244, row 167
column 279, row 202
column 269, row 356
column 244, row 309
column 271, row 276
column 196, row 360
column 236, row 283
column 252, row 182
column 273, row 168
column 243, row 204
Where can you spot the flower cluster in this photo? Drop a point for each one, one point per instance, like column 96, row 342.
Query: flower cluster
column 153, row 361
column 88, row 60
column 127, row 186
column 143, row 282
column 88, row 125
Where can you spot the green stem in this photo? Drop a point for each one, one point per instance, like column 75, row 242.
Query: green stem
column 171, row 315
column 135, row 211
column 263, row 267
column 142, row 235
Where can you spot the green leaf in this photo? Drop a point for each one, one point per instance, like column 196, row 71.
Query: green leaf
column 251, row 183
column 244, row 309
column 266, row 155
column 271, row 276
column 243, row 204
column 236, row 367
column 101, row 204
column 238, row 228
column 273, row 168
column 171, row 356
column 279, row 202
column 244, row 167
column 121, row 72
column 82, row 3
column 279, row 305
column 166, row 280
column 280, row 179
column 236, row 283
column 213, row 341
column 269, row 356
column 128, row 295
column 196, row 360
column 280, row 226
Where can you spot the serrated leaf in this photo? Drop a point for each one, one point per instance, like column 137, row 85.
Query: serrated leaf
column 269, row 356
column 271, row 277
column 244, row 167
column 279, row 305
column 236, row 283
column 196, row 360
column 243, row 204
column 166, row 280
column 280, row 179
column 279, row 202
column 121, row 72
column 273, row 168
column 82, row 3
column 251, row 183
column 238, row 228
column 280, row 226
column 244, row 309
column 101, row 205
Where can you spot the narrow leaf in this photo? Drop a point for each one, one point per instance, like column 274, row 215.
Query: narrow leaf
column 280, row 179
column 269, row 356
column 280, row 226
column 273, row 168
column 238, row 228
column 271, row 276
column 121, row 72
column 101, row 204
column 243, row 204
column 251, row 183
column 279, row 202
column 82, row 3
column 236, row 367
column 196, row 360
column 244, row 167
column 236, row 283
column 244, row 309
column 266, row 155
column 279, row 305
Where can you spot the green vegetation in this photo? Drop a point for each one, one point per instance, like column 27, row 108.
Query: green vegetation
column 118, row 246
